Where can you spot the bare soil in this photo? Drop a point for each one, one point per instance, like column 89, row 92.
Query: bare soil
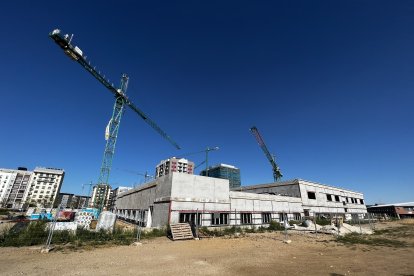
column 250, row 254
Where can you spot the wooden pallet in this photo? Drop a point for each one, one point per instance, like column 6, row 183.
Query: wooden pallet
column 181, row 231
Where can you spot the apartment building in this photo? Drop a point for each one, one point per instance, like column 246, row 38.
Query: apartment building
column 100, row 196
column 13, row 187
column 174, row 164
column 45, row 186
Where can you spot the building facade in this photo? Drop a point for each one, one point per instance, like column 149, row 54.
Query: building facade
column 225, row 172
column 100, row 196
column 45, row 186
column 173, row 164
column 19, row 188
column 317, row 199
column 208, row 201
column 114, row 194
column 80, row 201
column 72, row 201
column 394, row 210
column 14, row 187
column 64, row 200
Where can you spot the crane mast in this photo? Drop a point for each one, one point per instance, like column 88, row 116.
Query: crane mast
column 121, row 100
column 277, row 174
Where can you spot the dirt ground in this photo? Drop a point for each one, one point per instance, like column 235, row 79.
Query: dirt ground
column 260, row 254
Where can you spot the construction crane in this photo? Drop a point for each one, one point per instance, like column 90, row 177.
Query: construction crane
column 277, row 174
column 145, row 175
column 121, row 100
column 207, row 150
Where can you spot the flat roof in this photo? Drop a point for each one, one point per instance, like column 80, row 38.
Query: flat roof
column 394, row 204
column 289, row 182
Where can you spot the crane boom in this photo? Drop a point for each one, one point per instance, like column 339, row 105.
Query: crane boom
column 76, row 54
column 277, row 174
column 111, row 133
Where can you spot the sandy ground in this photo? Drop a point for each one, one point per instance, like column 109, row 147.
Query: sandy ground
column 260, row 254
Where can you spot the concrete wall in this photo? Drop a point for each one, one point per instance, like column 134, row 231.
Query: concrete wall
column 152, row 195
column 289, row 189
column 165, row 198
column 193, row 193
column 321, row 205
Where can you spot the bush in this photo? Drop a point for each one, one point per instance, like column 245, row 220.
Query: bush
column 25, row 234
column 250, row 230
column 4, row 212
column 323, row 221
column 154, row 233
column 275, row 226
column 355, row 238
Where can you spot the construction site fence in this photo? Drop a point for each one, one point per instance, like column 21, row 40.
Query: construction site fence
column 45, row 234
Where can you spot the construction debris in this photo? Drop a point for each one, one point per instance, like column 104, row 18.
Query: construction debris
column 332, row 229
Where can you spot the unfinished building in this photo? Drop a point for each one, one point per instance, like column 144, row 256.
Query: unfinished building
column 317, row 199
column 208, row 201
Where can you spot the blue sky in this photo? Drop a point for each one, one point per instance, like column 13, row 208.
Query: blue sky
column 328, row 84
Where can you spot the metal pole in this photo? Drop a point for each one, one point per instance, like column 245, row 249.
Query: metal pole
column 337, row 221
column 360, row 229
column 207, row 161
column 285, row 222
column 52, row 228
column 139, row 225
column 197, row 222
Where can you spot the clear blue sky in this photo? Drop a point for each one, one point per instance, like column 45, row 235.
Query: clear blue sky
column 328, row 83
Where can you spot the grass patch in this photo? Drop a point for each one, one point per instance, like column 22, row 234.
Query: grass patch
column 323, row 221
column 36, row 233
column 382, row 231
column 4, row 212
column 355, row 238
column 273, row 226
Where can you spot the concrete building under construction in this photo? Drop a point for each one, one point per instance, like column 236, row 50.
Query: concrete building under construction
column 208, row 201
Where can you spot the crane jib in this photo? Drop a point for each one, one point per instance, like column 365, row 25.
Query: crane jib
column 76, row 54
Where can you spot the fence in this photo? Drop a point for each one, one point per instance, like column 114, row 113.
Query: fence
column 42, row 232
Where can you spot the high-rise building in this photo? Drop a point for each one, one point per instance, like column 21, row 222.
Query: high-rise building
column 45, row 186
column 226, row 172
column 13, row 187
column 100, row 196
column 19, row 188
column 72, row 201
column 174, row 164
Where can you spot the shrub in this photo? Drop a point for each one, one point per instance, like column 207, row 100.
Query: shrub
column 323, row 221
column 4, row 212
column 355, row 238
column 291, row 222
column 154, row 233
column 32, row 233
column 275, row 226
